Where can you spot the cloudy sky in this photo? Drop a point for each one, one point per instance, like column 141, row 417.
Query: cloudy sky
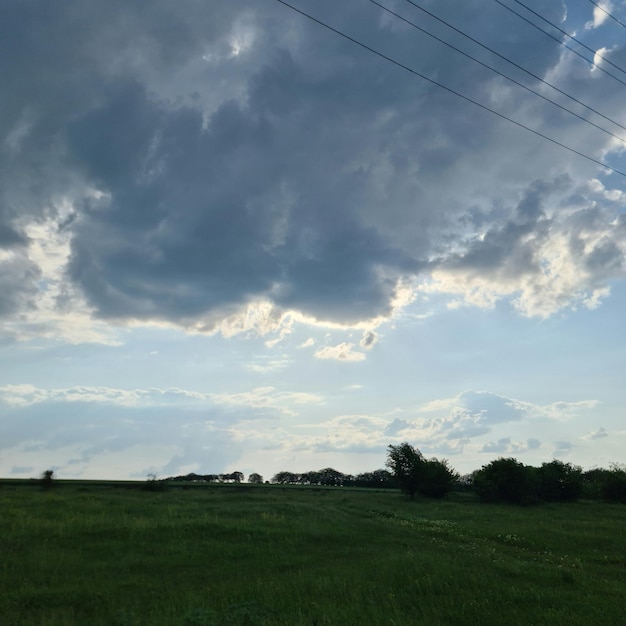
column 232, row 239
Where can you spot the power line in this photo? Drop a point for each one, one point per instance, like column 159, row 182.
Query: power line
column 448, row 89
column 607, row 13
column 501, row 56
column 561, row 43
column 547, row 21
column 469, row 56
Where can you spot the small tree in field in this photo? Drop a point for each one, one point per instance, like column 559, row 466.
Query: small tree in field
column 414, row 474
column 47, row 479
column 407, row 464
column 255, row 478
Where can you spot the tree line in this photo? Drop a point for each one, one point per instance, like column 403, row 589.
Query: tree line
column 233, row 477
column 503, row 480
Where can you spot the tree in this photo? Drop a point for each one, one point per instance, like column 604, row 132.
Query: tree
column 255, row 478
column 236, row 477
column 407, row 465
column 414, row 474
column 377, row 479
column 285, row 478
column 330, row 477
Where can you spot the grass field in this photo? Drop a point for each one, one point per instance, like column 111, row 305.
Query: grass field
column 88, row 554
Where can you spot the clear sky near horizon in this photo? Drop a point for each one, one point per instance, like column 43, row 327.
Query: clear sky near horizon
column 231, row 239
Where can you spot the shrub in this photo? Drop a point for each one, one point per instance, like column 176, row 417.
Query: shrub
column 506, row 480
column 559, row 482
column 605, row 484
column 437, row 478
column 614, row 487
column 593, row 480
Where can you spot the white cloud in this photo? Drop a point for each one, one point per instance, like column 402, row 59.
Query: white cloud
column 564, row 264
column 599, row 433
column 565, row 411
column 25, row 395
column 269, row 364
column 599, row 15
column 268, row 398
column 462, row 424
column 599, row 56
column 342, row 352
column 613, row 195
column 57, row 311
column 260, row 398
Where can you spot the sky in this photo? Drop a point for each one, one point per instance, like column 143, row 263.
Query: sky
column 233, row 240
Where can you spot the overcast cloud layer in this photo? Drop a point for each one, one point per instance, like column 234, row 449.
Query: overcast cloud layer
column 233, row 171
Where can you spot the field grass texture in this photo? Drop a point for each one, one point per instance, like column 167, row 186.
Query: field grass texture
column 265, row 555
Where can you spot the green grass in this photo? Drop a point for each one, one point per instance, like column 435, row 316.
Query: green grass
column 91, row 554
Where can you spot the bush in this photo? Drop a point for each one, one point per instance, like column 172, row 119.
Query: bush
column 605, row 484
column 593, row 480
column 614, row 488
column 437, row 478
column 506, row 480
column 560, row 482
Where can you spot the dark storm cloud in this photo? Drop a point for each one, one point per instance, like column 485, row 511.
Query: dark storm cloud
column 193, row 224
column 240, row 152
column 11, row 238
column 207, row 215
column 510, row 246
